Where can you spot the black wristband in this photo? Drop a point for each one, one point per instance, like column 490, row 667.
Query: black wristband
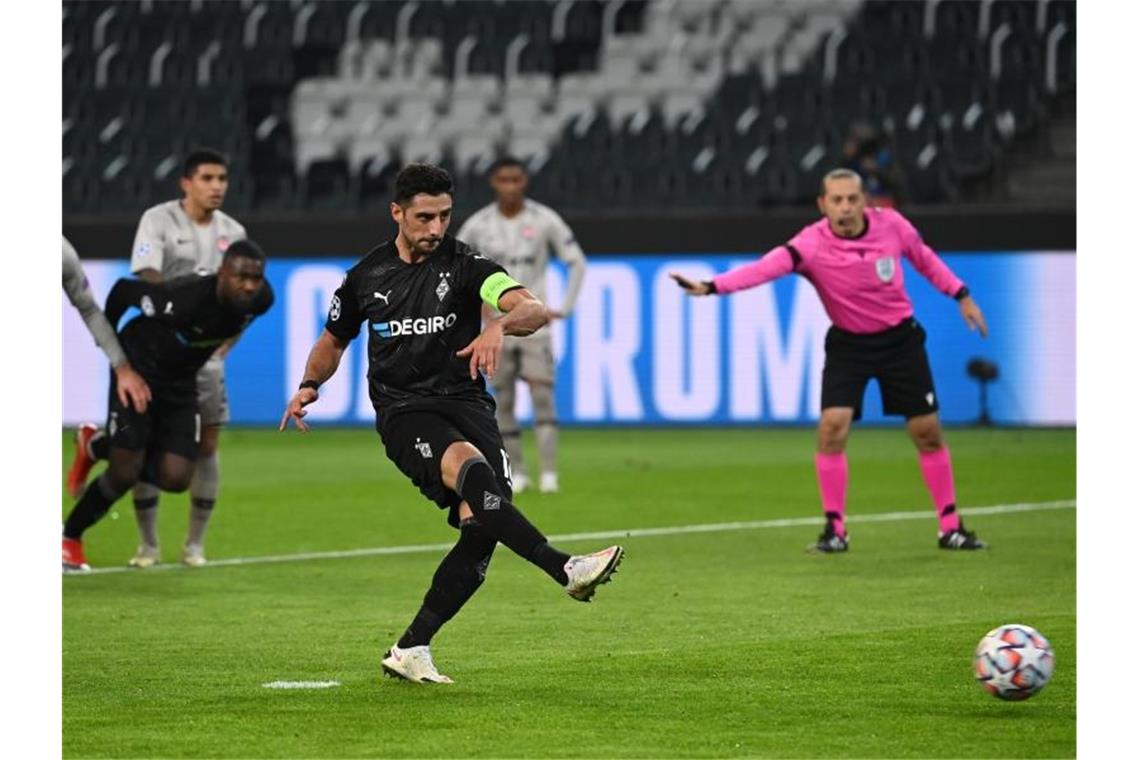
column 962, row 293
column 310, row 384
column 710, row 285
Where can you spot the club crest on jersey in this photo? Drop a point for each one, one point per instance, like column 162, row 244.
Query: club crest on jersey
column 443, row 288
column 529, row 233
column 885, row 268
column 424, row 448
column 223, row 244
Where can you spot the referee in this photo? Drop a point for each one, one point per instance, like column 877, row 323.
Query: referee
column 853, row 257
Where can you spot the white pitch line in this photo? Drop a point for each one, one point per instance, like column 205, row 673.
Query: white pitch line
column 674, row 530
column 301, row 684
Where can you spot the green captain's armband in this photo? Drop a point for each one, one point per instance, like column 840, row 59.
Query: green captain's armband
column 494, row 287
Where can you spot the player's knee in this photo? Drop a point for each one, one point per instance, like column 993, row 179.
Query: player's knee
column 174, row 478
column 833, row 433
column 926, row 433
column 124, row 468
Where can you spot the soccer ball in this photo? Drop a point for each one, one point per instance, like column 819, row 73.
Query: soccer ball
column 1013, row 662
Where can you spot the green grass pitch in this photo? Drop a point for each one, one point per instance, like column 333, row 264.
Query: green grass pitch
column 716, row 644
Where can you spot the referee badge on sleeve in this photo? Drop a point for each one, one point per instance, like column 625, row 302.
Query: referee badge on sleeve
column 885, row 268
column 334, row 309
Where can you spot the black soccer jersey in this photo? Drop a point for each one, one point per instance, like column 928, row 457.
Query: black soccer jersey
column 419, row 316
column 175, row 326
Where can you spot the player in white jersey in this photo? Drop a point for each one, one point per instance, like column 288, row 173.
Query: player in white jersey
column 520, row 233
column 175, row 239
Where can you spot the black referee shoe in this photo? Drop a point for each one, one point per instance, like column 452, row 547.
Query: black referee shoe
column 960, row 539
column 829, row 541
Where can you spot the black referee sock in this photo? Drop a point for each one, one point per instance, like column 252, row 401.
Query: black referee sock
column 458, row 577
column 91, row 507
column 479, row 487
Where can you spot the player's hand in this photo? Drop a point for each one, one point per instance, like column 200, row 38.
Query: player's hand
column 484, row 350
column 132, row 388
column 973, row 315
column 296, row 409
column 690, row 287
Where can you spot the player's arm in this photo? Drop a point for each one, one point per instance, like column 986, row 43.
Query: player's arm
column 153, row 300
column 323, row 361
column 341, row 327
column 523, row 315
column 931, row 266
column 566, row 247
column 132, row 388
column 781, row 260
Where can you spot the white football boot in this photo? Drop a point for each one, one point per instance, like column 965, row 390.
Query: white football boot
column 548, row 483
column 145, row 556
column 193, row 555
column 588, row 571
column 412, row 664
column 520, row 482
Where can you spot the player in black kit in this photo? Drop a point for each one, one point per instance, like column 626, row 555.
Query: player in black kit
column 421, row 296
column 178, row 326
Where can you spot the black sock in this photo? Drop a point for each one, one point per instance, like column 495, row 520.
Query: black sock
column 100, row 446
column 92, row 505
column 480, row 488
column 552, row 561
column 456, row 580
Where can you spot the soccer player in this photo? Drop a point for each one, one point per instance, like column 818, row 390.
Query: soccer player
column 178, row 327
column 176, row 238
column 421, row 297
column 132, row 388
column 519, row 233
column 853, row 258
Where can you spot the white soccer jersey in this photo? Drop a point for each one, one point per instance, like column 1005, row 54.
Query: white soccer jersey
column 522, row 244
column 169, row 242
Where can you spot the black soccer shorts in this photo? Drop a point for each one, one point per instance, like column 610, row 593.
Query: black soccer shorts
column 416, row 436
column 896, row 357
column 170, row 423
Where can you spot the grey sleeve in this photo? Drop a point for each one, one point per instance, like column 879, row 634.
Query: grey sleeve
column 81, row 297
column 562, row 240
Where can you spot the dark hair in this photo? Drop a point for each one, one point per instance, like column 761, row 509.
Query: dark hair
column 200, row 156
column 505, row 162
column 246, row 249
column 414, row 179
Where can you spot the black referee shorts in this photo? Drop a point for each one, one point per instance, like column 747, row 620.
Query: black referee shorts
column 416, row 436
column 896, row 357
column 170, row 423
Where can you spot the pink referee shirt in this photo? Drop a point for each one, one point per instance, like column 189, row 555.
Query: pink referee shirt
column 859, row 280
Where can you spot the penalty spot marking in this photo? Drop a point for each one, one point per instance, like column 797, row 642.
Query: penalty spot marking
column 672, row 530
column 301, row 684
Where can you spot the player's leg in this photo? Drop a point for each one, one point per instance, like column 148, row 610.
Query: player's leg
column 907, row 386
column 129, row 432
column 504, row 382
column 538, row 371
column 214, row 409
column 467, row 472
column 456, row 580
column 145, row 496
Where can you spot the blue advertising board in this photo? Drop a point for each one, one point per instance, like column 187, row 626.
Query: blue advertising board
column 637, row 351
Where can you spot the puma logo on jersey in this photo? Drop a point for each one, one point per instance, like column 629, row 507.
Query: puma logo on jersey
column 382, row 296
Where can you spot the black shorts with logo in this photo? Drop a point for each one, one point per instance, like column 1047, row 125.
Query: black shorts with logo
column 170, row 423
column 416, row 433
column 896, row 357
